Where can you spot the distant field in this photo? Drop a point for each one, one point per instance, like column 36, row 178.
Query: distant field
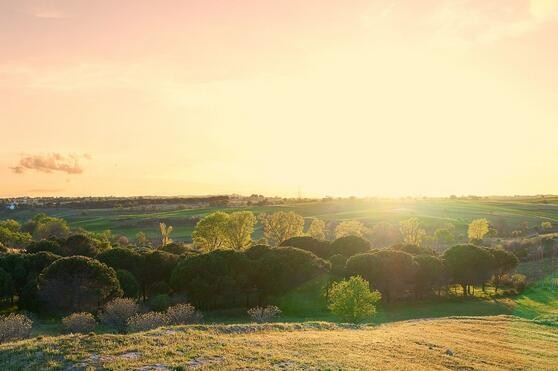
column 432, row 213
column 466, row 343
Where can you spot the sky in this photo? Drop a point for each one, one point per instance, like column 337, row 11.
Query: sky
column 316, row 97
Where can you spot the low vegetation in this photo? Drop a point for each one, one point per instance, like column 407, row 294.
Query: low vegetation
column 501, row 342
column 79, row 323
column 264, row 314
column 14, row 327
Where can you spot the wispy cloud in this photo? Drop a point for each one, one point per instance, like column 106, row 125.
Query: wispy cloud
column 48, row 14
column 464, row 24
column 52, row 162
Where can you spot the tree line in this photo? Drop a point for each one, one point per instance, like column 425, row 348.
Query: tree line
column 60, row 270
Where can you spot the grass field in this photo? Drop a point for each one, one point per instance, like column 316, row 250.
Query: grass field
column 494, row 343
column 432, row 213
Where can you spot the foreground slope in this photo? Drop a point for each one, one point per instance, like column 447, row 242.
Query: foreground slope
column 500, row 342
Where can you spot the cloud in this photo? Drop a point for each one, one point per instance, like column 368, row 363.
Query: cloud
column 48, row 14
column 52, row 162
column 543, row 9
column 464, row 24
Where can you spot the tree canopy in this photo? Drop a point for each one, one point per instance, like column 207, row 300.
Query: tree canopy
column 76, row 284
column 281, row 226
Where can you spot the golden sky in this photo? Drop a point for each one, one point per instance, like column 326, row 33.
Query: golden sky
column 332, row 97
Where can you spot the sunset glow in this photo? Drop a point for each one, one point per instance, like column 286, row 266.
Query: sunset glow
column 340, row 98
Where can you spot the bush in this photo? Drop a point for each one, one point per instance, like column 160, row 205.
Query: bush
column 352, row 300
column 159, row 303
column 519, row 282
column 79, row 323
column 146, row 321
column 117, row 313
column 183, row 314
column 261, row 314
column 14, row 327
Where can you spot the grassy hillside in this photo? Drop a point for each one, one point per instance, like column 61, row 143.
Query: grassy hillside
column 431, row 212
column 499, row 342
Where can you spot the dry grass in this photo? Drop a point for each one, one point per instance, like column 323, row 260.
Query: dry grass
column 500, row 342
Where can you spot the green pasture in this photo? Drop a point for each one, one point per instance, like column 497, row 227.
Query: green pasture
column 431, row 212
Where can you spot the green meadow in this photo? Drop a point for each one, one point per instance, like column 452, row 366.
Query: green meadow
column 431, row 212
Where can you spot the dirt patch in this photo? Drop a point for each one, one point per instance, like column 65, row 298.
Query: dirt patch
column 204, row 361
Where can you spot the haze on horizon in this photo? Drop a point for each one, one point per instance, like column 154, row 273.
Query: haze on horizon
column 367, row 98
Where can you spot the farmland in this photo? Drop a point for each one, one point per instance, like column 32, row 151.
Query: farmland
column 431, row 212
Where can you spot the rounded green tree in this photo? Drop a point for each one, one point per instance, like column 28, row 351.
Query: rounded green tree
column 352, row 301
column 77, row 284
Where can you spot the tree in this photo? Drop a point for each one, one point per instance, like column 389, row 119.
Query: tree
column 546, row 226
column 11, row 225
column 165, row 233
column 413, row 249
column 281, row 226
column 51, row 246
column 209, row 233
column 468, row 265
column 7, row 289
column 213, row 277
column 338, row 263
column 142, row 240
column 411, row 231
column 44, row 226
column 176, row 248
column 123, row 241
column 79, row 244
column 384, row 234
column 319, row 248
column 504, row 262
column 428, row 275
column 157, row 266
column 316, row 229
column 350, row 228
column 123, row 258
column 281, row 269
column 229, row 277
column 443, row 237
column 76, row 284
column 478, row 229
column 128, row 283
column 349, row 246
column 11, row 234
column 13, row 238
column 238, row 229
column 352, row 300
column 24, row 270
column 390, row 271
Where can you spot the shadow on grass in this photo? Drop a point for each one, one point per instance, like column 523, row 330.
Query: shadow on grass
column 444, row 307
